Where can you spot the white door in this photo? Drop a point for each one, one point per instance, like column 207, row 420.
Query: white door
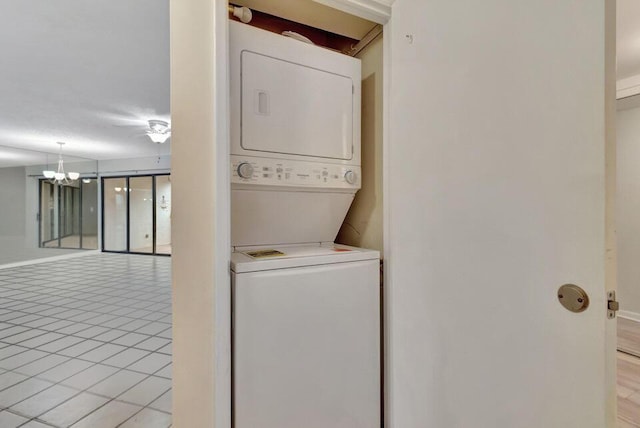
column 496, row 197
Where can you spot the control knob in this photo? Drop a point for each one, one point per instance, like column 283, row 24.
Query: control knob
column 350, row 177
column 245, row 170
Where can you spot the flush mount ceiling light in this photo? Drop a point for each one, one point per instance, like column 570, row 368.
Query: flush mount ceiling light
column 59, row 176
column 159, row 131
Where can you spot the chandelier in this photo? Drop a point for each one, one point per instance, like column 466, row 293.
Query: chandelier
column 59, row 176
column 159, row 131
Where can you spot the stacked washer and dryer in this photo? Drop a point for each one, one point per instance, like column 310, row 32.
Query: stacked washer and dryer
column 306, row 311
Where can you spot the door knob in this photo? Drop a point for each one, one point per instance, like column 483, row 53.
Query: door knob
column 573, row 298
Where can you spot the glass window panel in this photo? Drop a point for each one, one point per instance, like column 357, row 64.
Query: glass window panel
column 115, row 214
column 48, row 214
column 141, row 214
column 163, row 214
column 75, row 214
column 90, row 214
column 69, row 216
column 66, row 212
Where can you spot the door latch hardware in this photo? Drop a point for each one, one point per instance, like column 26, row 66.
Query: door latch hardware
column 573, row 298
column 612, row 305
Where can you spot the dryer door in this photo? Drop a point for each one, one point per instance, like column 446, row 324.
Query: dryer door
column 293, row 109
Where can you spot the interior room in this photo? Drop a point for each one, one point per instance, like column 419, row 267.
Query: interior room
column 175, row 171
column 85, row 157
column 86, row 318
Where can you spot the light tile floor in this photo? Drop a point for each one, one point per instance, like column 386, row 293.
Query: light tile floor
column 86, row 342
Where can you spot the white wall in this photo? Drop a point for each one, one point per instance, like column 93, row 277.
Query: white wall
column 628, row 210
column 628, row 87
column 363, row 225
column 135, row 166
column 200, row 215
column 12, row 209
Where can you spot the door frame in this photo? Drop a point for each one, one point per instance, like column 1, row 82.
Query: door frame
column 611, row 260
column 199, row 29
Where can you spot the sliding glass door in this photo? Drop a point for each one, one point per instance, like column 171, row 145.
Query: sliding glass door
column 137, row 215
column 89, row 213
column 69, row 215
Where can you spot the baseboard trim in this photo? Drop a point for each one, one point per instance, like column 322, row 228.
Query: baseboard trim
column 628, row 315
column 50, row 259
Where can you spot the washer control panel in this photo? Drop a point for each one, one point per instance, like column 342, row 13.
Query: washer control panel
column 279, row 172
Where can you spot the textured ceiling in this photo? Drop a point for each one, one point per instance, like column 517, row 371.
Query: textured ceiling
column 89, row 73
column 11, row 156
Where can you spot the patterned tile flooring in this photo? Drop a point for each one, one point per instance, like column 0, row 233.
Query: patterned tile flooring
column 86, row 342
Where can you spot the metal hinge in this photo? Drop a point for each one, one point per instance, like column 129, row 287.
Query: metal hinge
column 612, row 305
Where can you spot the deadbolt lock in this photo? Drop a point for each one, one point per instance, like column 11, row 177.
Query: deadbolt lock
column 573, row 298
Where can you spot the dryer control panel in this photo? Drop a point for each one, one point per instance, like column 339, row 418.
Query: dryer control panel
column 279, row 172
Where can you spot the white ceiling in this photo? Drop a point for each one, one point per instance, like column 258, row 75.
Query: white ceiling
column 89, row 73
column 11, row 156
column 628, row 40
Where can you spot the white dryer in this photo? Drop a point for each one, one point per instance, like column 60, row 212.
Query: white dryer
column 306, row 312
column 295, row 138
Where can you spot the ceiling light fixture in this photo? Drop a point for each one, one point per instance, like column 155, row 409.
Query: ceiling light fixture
column 159, row 131
column 60, row 177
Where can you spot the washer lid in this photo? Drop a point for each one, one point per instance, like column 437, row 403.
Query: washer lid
column 281, row 257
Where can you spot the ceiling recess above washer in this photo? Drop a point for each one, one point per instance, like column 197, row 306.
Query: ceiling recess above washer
column 313, row 14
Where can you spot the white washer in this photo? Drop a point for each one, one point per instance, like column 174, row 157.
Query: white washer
column 306, row 338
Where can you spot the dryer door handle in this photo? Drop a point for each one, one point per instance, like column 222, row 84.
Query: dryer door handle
column 261, row 102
